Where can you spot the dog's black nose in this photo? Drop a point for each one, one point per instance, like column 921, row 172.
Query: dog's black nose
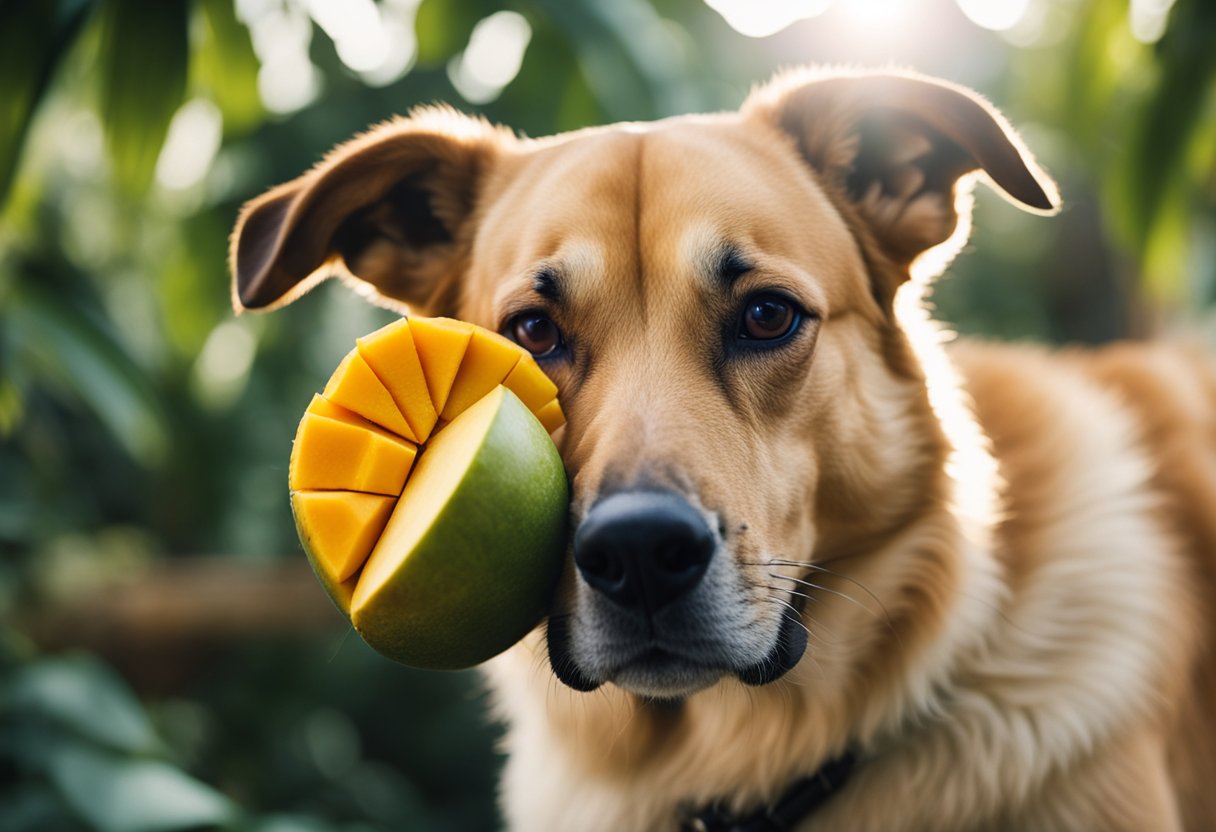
column 643, row 549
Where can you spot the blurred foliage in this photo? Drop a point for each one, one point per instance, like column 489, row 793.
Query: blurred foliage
column 140, row 420
column 278, row 727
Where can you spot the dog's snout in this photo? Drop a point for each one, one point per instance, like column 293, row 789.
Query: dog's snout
column 643, row 549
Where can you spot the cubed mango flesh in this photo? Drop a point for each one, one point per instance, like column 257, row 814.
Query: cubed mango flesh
column 341, row 527
column 391, row 354
column 529, row 382
column 441, row 344
column 551, row 416
column 488, row 360
column 334, row 454
column 356, row 387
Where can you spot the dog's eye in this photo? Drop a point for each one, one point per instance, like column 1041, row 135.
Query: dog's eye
column 767, row 317
column 535, row 332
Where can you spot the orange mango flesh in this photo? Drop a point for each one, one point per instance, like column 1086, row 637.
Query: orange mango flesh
column 346, row 524
column 529, row 382
column 551, row 416
column 488, row 360
column 355, row 446
column 441, row 344
column 356, row 387
column 334, row 454
column 391, row 354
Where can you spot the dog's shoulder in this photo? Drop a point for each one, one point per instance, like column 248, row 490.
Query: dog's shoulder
column 1108, row 539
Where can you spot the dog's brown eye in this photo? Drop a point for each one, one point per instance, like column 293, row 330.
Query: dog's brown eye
column 536, row 333
column 767, row 318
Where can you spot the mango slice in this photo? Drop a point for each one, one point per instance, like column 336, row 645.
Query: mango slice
column 356, row 387
column 446, row 566
column 334, row 454
column 391, row 354
column 488, row 360
column 441, row 344
column 529, row 382
column 551, row 416
column 341, row 527
column 324, row 407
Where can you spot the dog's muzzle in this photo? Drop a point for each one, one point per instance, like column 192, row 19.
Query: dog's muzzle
column 645, row 554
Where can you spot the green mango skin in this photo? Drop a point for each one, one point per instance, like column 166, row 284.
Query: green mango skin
column 484, row 573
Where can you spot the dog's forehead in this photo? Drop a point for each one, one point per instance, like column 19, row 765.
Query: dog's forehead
column 655, row 205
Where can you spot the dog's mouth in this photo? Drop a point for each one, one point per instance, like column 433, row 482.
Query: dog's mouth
column 662, row 672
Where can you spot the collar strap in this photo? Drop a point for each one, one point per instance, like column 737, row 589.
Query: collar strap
column 797, row 802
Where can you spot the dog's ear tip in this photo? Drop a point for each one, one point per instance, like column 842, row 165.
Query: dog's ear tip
column 1040, row 197
column 249, row 291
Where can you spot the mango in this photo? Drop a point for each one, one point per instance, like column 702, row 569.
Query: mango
column 472, row 553
column 448, row 564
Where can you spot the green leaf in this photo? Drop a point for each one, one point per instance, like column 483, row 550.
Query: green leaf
column 34, row 36
column 143, row 61
column 226, row 68
column 117, row 794
column 63, row 344
column 83, row 696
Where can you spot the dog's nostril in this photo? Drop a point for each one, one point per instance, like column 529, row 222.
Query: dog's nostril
column 643, row 549
column 597, row 562
column 676, row 557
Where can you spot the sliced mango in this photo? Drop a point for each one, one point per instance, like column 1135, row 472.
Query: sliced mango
column 470, row 557
column 322, row 406
column 529, row 382
column 488, row 360
column 551, row 416
column 448, row 565
column 357, row 388
column 441, row 344
column 391, row 354
column 341, row 527
column 335, row 454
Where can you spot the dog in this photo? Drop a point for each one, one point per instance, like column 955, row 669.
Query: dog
column 827, row 570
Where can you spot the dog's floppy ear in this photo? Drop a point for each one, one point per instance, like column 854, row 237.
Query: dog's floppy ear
column 389, row 208
column 895, row 146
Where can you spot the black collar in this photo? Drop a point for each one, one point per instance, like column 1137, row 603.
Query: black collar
column 796, row 803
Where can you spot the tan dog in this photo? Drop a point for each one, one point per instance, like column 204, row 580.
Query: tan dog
column 1005, row 559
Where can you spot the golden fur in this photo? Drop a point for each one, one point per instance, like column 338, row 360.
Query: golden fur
column 1010, row 554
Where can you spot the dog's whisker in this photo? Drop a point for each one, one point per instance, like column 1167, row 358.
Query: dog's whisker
column 885, row 617
column 819, row 567
column 811, row 584
column 792, row 608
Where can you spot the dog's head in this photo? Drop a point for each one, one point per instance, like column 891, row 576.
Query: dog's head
column 715, row 297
